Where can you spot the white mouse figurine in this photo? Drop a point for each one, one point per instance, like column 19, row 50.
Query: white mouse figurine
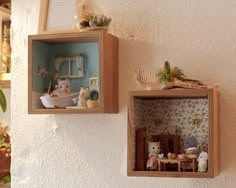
column 202, row 161
column 153, row 151
column 63, row 88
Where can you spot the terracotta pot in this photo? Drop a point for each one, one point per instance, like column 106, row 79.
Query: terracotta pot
column 173, row 156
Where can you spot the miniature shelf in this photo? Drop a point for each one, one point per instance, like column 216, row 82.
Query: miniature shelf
column 194, row 112
column 99, row 51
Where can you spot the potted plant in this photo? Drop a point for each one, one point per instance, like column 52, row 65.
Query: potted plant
column 173, row 77
column 5, row 156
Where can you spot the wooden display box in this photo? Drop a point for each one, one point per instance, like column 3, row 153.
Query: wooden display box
column 99, row 51
column 153, row 111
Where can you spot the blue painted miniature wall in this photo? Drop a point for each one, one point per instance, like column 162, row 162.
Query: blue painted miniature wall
column 44, row 54
column 40, row 57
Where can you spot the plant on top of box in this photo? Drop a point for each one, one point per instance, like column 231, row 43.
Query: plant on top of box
column 175, row 78
column 168, row 74
column 95, row 21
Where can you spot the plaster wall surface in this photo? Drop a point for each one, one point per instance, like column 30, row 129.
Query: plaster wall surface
column 70, row 151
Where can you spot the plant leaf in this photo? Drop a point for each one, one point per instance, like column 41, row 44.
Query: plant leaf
column 3, row 102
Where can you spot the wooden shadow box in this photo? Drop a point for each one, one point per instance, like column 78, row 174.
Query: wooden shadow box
column 153, row 111
column 97, row 70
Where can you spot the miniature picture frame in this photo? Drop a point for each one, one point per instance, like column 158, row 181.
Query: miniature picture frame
column 93, row 82
column 172, row 130
column 51, row 17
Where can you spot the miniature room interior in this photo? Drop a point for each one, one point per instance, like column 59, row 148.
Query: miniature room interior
column 117, row 94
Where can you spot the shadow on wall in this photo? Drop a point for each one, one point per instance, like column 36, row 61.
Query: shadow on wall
column 133, row 54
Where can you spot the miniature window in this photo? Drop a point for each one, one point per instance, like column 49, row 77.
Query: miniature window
column 71, row 66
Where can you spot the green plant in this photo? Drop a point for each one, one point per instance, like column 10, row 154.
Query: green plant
column 168, row 74
column 6, row 179
column 4, row 138
column 3, row 102
column 95, row 20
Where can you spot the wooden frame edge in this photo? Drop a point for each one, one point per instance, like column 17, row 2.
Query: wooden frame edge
column 43, row 16
column 213, row 97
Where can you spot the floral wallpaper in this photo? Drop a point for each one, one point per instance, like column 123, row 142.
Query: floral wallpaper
column 189, row 117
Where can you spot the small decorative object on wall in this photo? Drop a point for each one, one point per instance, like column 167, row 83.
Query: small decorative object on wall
column 202, row 161
column 176, row 109
column 93, row 21
column 87, row 58
column 174, row 77
column 94, row 91
column 146, row 77
column 153, row 151
column 171, row 130
column 51, row 17
column 93, row 82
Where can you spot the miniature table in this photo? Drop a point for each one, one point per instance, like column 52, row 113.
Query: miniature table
column 172, row 161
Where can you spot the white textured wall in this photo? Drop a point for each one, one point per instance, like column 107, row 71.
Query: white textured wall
column 70, row 151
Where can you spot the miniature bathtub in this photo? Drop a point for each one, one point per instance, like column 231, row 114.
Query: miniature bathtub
column 58, row 102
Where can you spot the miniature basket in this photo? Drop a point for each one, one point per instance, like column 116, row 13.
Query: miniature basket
column 146, row 77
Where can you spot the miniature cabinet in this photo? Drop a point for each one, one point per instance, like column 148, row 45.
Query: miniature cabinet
column 169, row 143
column 140, row 161
column 89, row 59
column 193, row 112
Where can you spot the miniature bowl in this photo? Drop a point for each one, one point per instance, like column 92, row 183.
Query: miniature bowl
column 191, row 150
column 181, row 156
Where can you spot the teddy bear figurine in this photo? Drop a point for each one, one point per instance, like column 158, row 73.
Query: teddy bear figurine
column 83, row 97
column 153, row 151
column 202, row 161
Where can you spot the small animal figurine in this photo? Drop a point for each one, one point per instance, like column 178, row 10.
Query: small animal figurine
column 42, row 71
column 63, row 88
column 153, row 151
column 83, row 97
column 161, row 155
column 190, row 142
column 169, row 155
column 202, row 161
